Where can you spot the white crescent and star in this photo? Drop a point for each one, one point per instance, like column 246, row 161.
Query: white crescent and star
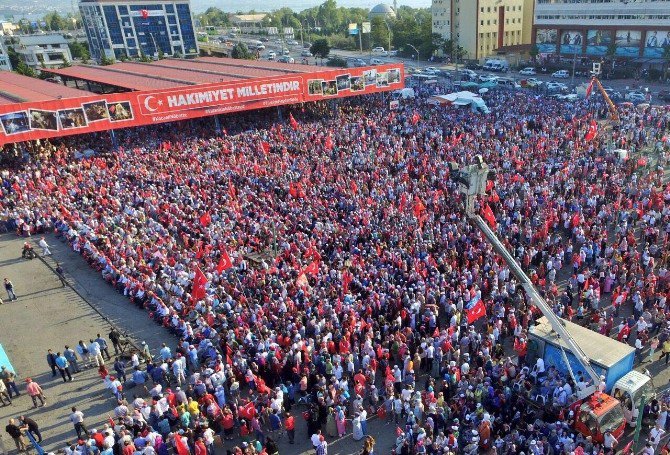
column 147, row 100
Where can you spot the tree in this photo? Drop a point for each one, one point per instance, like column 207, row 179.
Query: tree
column 379, row 33
column 79, row 50
column 104, row 61
column 215, row 17
column 55, row 21
column 534, row 51
column 453, row 50
column 241, row 51
column 330, row 16
column 320, row 48
column 24, row 69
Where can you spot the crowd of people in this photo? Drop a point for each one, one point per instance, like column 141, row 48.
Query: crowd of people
column 325, row 265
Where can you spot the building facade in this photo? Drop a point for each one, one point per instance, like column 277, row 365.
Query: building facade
column 132, row 28
column 49, row 51
column 483, row 26
column 5, row 64
column 635, row 28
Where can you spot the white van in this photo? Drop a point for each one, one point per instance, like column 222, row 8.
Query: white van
column 497, row 65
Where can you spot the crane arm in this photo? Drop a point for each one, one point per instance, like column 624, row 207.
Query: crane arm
column 612, row 107
column 556, row 323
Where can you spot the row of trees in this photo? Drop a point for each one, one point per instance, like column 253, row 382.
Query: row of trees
column 411, row 26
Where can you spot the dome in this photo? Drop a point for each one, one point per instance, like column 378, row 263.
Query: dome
column 382, row 10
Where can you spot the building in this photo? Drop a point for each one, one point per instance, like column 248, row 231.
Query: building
column 382, row 10
column 482, row 27
column 248, row 23
column 133, row 28
column 4, row 58
column 8, row 28
column 602, row 27
column 48, row 51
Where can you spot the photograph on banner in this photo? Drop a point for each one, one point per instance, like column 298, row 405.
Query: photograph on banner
column 43, row 120
column 314, row 87
column 96, row 111
column 370, row 77
column 628, row 43
column 571, row 42
column 72, row 118
column 546, row 39
column 329, row 88
column 655, row 43
column 597, row 41
column 383, row 79
column 15, row 122
column 394, row 76
column 357, row 84
column 343, row 82
column 120, row 111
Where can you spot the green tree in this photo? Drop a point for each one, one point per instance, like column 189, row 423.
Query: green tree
column 79, row 50
column 215, row 17
column 379, row 34
column 105, row 61
column 66, row 63
column 24, row 69
column 320, row 48
column 450, row 48
column 330, row 16
column 241, row 51
column 55, row 21
column 534, row 51
column 14, row 58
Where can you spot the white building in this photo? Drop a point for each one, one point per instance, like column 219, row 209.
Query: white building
column 4, row 58
column 48, row 50
column 637, row 28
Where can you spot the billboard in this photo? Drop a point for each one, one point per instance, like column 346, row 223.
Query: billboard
column 546, row 39
column 571, row 42
column 55, row 118
column 628, row 43
column 655, row 42
column 597, row 41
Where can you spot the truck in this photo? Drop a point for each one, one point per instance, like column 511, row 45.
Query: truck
column 497, row 65
column 632, row 390
column 595, row 412
column 608, row 357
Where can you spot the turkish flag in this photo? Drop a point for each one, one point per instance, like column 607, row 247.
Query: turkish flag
column 329, row 143
column 490, row 218
column 180, row 445
column 265, row 147
column 312, row 269
column 199, row 283
column 477, row 311
column 205, row 219
column 415, row 118
column 293, row 122
column 347, row 278
column 592, row 132
column 144, row 13
column 418, row 207
column 224, row 263
column 201, row 251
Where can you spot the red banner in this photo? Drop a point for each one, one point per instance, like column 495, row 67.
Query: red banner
column 46, row 119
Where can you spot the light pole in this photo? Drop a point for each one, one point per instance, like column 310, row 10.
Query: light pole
column 389, row 29
column 155, row 47
column 417, row 52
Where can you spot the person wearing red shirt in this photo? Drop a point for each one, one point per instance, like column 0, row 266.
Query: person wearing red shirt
column 200, row 448
column 289, row 424
column 128, row 448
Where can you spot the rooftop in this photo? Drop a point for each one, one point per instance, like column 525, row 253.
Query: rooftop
column 34, row 40
column 171, row 73
column 15, row 88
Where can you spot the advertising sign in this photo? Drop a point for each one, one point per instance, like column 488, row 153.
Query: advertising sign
column 597, row 41
column 45, row 119
column 571, row 42
column 655, row 42
column 628, row 43
column 546, row 40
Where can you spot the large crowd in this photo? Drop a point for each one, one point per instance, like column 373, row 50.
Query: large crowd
column 325, row 266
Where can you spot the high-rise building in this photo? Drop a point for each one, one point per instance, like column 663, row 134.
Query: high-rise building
column 483, row 26
column 133, row 28
column 639, row 28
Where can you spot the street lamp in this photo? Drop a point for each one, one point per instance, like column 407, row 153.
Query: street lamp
column 389, row 29
column 417, row 52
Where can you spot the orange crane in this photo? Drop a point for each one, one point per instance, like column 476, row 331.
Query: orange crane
column 612, row 107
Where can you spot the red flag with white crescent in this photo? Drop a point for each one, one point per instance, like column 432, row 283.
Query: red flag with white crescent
column 224, row 262
column 477, row 311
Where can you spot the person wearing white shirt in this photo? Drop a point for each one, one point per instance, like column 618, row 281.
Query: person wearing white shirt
column 95, row 353
column 45, row 247
column 655, row 436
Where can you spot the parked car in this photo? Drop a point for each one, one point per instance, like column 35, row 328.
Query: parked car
column 529, row 71
column 561, row 74
column 487, row 78
column 393, row 53
column 555, row 86
column 264, row 39
column 260, row 47
column 378, row 50
column 306, row 45
column 285, row 51
column 636, row 97
column 286, row 59
column 376, row 61
column 430, row 70
column 533, row 82
column 305, row 53
column 271, row 55
column 468, row 74
column 292, row 42
column 508, row 83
